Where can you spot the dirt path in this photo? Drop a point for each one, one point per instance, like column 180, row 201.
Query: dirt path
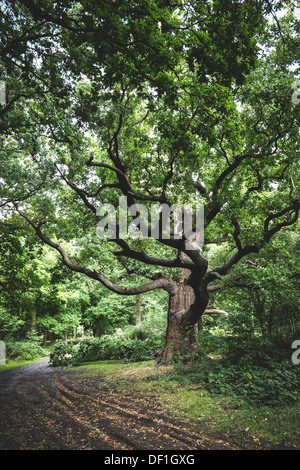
column 45, row 408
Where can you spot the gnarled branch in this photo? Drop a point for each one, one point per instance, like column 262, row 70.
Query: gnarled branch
column 215, row 311
column 161, row 283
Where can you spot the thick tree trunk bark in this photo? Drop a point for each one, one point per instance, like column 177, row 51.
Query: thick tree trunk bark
column 185, row 310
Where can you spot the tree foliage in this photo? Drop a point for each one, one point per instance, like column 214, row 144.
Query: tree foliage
column 161, row 102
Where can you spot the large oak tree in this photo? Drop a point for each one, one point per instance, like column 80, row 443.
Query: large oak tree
column 161, row 102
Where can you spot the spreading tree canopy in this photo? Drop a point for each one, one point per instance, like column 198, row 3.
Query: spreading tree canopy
column 161, row 102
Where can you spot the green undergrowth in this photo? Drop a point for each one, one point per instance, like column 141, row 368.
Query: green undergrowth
column 133, row 344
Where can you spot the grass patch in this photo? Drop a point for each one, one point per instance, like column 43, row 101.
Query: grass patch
column 192, row 402
column 91, row 369
column 137, row 373
column 279, row 426
column 13, row 364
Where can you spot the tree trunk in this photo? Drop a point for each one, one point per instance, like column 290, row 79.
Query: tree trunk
column 98, row 329
column 45, row 337
column 259, row 307
column 138, row 309
column 65, row 336
column 271, row 318
column 185, row 310
column 33, row 318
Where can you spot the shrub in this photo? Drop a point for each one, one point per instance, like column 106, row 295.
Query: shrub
column 273, row 386
column 132, row 345
column 61, row 355
column 96, row 349
column 254, row 371
column 210, row 343
column 116, row 347
column 24, row 350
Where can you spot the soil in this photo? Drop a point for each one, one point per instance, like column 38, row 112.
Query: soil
column 46, row 408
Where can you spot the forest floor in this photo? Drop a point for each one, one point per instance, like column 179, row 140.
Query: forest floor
column 46, row 408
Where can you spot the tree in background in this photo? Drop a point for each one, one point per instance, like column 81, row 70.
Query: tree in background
column 37, row 296
column 263, row 292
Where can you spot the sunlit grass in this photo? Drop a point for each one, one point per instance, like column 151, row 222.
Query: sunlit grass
column 12, row 364
column 194, row 404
